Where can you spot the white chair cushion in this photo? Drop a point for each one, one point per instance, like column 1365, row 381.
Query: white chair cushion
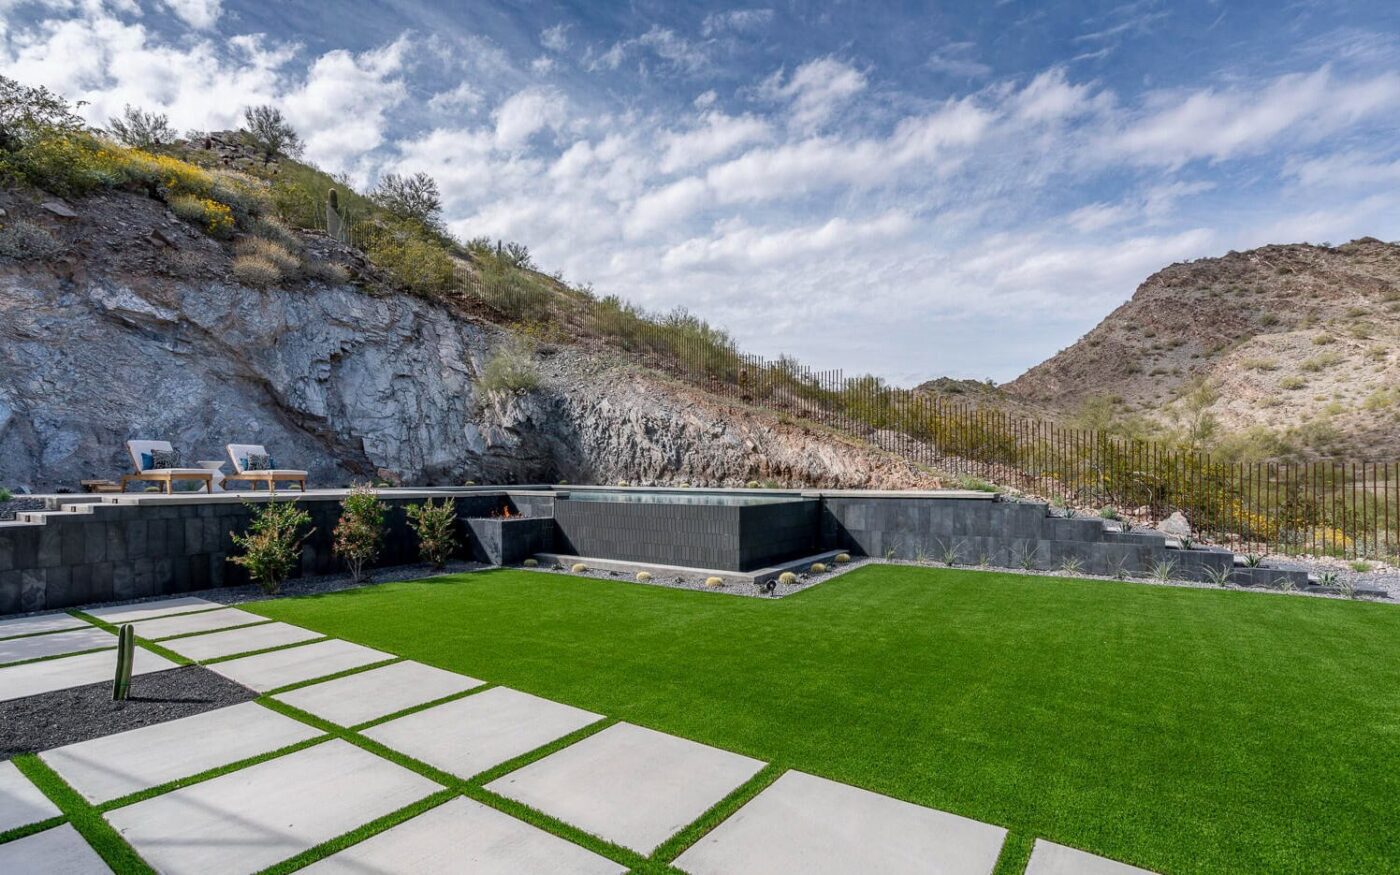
column 137, row 448
column 238, row 453
column 177, row 471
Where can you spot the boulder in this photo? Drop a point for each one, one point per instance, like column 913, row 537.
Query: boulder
column 1175, row 526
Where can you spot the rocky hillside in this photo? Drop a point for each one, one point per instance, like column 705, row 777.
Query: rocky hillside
column 118, row 321
column 1298, row 345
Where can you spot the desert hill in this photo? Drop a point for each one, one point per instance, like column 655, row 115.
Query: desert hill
column 1289, row 351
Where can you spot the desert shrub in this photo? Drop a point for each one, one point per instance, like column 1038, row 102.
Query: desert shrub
column 1108, row 513
column 977, row 484
column 578, row 568
column 24, row 241
column 1323, row 339
column 327, row 272
column 515, row 294
column 714, row 581
column 1320, row 362
column 436, row 528
column 251, row 270
column 411, row 259
column 818, row 568
column 5, row 495
column 215, row 218
column 288, row 265
column 275, row 231
column 511, row 371
column 270, row 132
column 643, row 576
column 409, row 197
column 66, row 164
column 842, row 558
column 1260, row 364
column 140, row 129
column 1292, row 383
column 787, row 578
column 531, row 563
column 752, row 484
column 272, row 543
column 360, row 532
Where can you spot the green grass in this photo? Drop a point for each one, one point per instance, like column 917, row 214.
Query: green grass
column 1181, row 730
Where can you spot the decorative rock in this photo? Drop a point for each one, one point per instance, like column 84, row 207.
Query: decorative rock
column 59, row 208
column 1176, row 526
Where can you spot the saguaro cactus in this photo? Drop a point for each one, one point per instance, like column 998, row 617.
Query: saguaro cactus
column 335, row 225
column 126, row 652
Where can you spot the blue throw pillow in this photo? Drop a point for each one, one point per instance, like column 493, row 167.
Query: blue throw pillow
column 146, row 461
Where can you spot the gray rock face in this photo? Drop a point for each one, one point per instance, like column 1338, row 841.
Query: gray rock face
column 344, row 384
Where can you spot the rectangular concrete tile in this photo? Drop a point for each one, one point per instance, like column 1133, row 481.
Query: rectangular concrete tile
column 75, row 641
column 807, row 824
column 470, row 735
column 55, row 850
column 268, row 671
column 1048, row 858
column 48, row 675
column 116, row 765
column 216, row 644
column 633, row 786
column 249, row 819
column 21, row 803
column 118, row 614
column 188, row 624
column 463, row 835
column 369, row 695
column 41, row 623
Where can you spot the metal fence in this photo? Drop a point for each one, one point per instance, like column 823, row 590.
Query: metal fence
column 1335, row 508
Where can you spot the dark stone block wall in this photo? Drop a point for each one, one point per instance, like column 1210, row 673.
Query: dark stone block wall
column 510, row 541
column 717, row 536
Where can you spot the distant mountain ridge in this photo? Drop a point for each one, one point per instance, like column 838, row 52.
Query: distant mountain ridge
column 1297, row 346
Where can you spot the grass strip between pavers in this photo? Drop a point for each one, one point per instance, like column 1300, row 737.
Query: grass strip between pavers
column 196, row 634
column 1015, row 854
column 472, row 787
column 85, row 818
column 213, row 660
column 414, row 709
column 667, row 852
column 355, row 836
column 140, row 642
column 275, row 691
column 4, row 638
column 52, row 656
column 29, row 829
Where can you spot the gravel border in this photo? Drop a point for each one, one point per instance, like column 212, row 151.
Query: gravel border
column 805, row 580
column 49, row 720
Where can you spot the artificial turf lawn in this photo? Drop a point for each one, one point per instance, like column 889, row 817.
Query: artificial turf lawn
column 1182, row 730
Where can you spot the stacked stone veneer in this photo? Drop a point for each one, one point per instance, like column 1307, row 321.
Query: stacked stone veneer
column 113, row 551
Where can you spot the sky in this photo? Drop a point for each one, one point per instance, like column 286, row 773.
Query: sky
column 911, row 190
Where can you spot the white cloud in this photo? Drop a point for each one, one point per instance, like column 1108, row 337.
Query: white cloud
column 341, row 108
column 199, row 14
column 1222, row 123
column 742, row 247
column 464, row 96
column 555, row 38
column 543, row 64
column 1050, row 96
column 678, row 53
column 815, row 90
column 958, row 59
column 716, row 136
column 526, row 113
column 667, row 205
column 1346, row 170
column 735, row 20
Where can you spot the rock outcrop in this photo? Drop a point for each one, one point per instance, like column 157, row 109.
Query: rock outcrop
column 106, row 343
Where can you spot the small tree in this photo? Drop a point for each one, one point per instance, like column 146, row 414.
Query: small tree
column 142, row 130
column 360, row 532
column 272, row 543
column 410, row 197
column 26, row 113
column 270, row 132
column 516, row 255
column 436, row 527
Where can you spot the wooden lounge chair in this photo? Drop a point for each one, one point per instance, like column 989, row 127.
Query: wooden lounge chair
column 141, row 457
column 239, row 453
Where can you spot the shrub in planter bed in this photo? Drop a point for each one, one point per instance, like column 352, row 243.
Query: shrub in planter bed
column 787, row 578
column 643, row 576
column 579, row 568
column 842, row 558
column 818, row 568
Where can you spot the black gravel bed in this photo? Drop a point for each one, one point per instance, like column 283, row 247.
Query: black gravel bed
column 8, row 509
column 49, row 720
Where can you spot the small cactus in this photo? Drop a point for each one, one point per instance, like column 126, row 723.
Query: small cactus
column 842, row 558
column 752, row 484
column 335, row 223
column 787, row 578
column 578, row 568
column 126, row 654
column 818, row 568
column 714, row 581
column 643, row 576
column 531, row 563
